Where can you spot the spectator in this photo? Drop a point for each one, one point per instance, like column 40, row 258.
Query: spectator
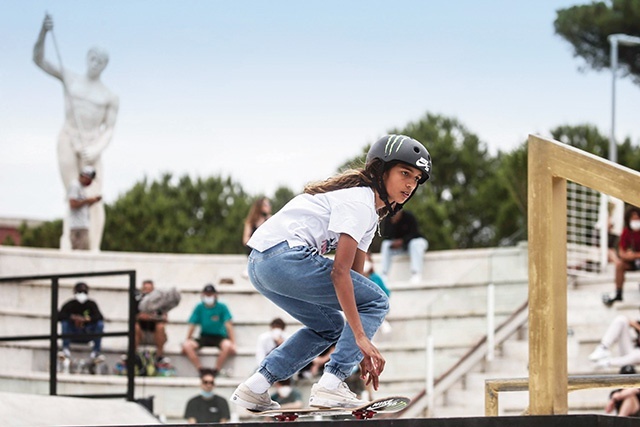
column 216, row 329
column 267, row 341
column 628, row 252
column 401, row 235
column 385, row 329
column 626, row 402
column 207, row 407
column 79, row 316
column 287, row 396
column 619, row 331
column 150, row 326
column 614, row 223
column 259, row 212
column 373, row 276
column 79, row 203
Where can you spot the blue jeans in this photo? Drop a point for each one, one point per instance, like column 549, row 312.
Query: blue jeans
column 298, row 280
column 416, row 249
column 68, row 327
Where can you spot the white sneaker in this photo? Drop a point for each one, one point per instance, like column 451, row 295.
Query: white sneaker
column 600, row 352
column 415, row 279
column 243, row 396
column 341, row 397
column 603, row 363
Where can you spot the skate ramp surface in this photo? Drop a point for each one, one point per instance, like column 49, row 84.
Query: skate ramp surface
column 34, row 410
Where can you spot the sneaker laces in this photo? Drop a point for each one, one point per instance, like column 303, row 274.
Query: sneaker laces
column 346, row 388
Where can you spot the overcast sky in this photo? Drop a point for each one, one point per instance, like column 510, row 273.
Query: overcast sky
column 282, row 92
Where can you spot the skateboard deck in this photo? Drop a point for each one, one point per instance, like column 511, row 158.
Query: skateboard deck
column 366, row 411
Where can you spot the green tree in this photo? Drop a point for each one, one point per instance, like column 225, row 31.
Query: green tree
column 46, row 235
column 281, row 198
column 588, row 138
column 178, row 215
column 457, row 208
column 511, row 212
column 586, row 28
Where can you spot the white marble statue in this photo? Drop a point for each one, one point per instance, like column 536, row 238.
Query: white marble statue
column 90, row 116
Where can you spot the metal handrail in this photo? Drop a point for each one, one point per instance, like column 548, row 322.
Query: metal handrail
column 54, row 336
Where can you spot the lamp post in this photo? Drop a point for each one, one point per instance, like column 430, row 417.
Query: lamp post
column 614, row 40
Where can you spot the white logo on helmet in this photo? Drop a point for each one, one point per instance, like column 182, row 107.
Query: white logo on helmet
column 423, row 163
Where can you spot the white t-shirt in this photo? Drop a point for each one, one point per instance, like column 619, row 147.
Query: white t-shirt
column 267, row 342
column 78, row 218
column 318, row 220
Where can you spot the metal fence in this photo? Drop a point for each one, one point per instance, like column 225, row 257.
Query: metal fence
column 53, row 336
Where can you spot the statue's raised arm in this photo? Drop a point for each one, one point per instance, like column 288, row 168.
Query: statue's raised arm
column 38, row 50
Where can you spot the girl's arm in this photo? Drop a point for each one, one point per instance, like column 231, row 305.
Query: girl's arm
column 373, row 363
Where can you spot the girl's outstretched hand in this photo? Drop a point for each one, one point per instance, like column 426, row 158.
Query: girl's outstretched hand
column 372, row 365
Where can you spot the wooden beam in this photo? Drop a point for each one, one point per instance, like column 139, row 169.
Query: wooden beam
column 550, row 165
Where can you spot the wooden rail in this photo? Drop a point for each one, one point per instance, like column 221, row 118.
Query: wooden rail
column 551, row 164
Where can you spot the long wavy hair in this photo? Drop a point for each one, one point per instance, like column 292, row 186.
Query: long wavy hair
column 370, row 176
column 255, row 212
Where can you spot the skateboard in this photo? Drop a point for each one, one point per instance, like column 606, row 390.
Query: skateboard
column 366, row 411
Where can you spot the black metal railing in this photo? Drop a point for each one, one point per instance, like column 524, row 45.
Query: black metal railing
column 54, row 335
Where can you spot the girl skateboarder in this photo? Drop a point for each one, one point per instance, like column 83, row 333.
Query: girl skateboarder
column 288, row 267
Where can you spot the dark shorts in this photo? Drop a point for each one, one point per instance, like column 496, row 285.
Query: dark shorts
column 210, row 340
column 619, row 403
column 633, row 265
column 146, row 325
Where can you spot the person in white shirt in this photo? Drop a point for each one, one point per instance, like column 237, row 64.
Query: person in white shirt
column 271, row 339
column 287, row 265
column 79, row 214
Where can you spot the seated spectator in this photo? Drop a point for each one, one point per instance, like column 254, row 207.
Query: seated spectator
column 81, row 316
column 372, row 275
column 626, row 402
column 287, row 396
column 401, row 235
column 216, row 329
column 628, row 253
column 620, row 331
column 150, row 324
column 207, row 407
column 267, row 341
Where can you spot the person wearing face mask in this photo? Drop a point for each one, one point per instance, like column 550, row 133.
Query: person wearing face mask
column 287, row 396
column 207, row 407
column 79, row 316
column 271, row 339
column 628, row 253
column 216, row 330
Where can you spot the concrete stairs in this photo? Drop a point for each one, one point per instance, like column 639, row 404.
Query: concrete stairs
column 587, row 320
column 450, row 305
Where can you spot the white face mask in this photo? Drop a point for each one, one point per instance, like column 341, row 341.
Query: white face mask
column 81, row 297
column 276, row 333
column 634, row 224
column 209, row 300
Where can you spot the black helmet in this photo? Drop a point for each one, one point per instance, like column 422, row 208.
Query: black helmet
column 401, row 148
